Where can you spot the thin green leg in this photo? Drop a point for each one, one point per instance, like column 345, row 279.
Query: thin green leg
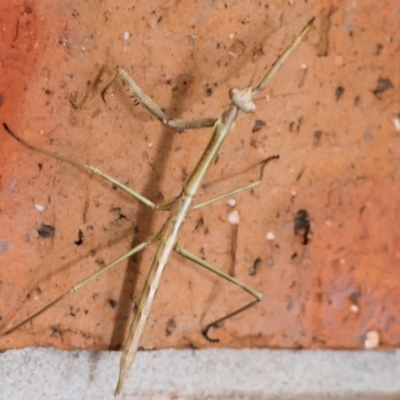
column 282, row 58
column 88, row 167
column 241, row 189
column 85, row 281
column 155, row 109
column 190, row 256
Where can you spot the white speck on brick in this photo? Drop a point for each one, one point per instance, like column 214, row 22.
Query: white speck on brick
column 371, row 340
column 233, row 217
column 396, row 122
column 39, row 207
column 270, row 235
column 127, row 35
column 231, row 202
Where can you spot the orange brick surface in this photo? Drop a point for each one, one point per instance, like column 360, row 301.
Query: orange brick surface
column 332, row 114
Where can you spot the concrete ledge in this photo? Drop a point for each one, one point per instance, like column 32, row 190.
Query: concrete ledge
column 213, row 374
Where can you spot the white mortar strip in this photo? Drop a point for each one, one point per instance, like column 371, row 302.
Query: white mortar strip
column 207, row 374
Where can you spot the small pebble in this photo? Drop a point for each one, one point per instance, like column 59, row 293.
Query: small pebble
column 231, row 202
column 371, row 340
column 270, row 235
column 354, row 308
column 39, row 207
column 396, row 122
column 233, row 217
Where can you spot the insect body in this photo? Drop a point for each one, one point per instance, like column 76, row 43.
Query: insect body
column 242, row 100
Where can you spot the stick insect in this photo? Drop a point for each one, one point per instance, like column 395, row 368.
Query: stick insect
column 242, row 100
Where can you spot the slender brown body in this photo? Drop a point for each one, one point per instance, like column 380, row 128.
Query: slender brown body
column 241, row 100
column 180, row 208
